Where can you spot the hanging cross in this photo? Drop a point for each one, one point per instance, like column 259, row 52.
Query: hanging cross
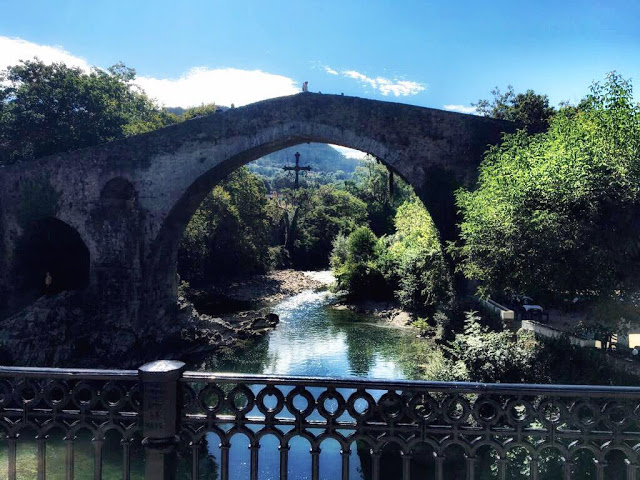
column 297, row 168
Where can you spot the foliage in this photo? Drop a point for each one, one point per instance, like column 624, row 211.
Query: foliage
column 555, row 214
column 423, row 327
column 495, row 356
column 530, row 109
column 229, row 233
column 325, row 212
column 413, row 262
column 371, row 183
column 47, row 109
column 409, row 263
column 339, row 251
column 481, row 355
column 200, row 111
column 609, row 317
column 358, row 274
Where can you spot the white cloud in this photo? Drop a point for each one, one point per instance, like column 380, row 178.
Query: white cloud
column 330, row 71
column 12, row 50
column 461, row 109
column 386, row 86
column 350, row 152
column 223, row 86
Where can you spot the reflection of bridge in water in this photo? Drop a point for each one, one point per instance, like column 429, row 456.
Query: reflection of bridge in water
column 407, row 429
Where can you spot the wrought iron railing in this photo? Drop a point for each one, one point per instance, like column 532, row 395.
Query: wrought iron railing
column 383, row 429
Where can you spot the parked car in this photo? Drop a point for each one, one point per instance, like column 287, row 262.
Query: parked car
column 528, row 309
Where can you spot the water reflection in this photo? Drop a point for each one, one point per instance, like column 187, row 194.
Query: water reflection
column 314, row 339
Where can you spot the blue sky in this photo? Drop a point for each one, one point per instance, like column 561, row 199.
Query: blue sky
column 435, row 54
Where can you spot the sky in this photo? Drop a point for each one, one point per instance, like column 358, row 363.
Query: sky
column 441, row 54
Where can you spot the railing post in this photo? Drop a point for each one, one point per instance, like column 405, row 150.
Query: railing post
column 160, row 415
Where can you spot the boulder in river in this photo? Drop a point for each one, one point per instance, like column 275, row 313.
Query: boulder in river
column 270, row 320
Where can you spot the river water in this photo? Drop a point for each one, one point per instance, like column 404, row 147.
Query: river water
column 312, row 339
column 315, row 339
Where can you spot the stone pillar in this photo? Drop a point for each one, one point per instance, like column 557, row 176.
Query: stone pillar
column 161, row 403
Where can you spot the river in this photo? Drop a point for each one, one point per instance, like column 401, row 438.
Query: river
column 315, row 339
column 312, row 339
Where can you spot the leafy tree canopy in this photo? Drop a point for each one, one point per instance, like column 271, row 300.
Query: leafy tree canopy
column 530, row 109
column 556, row 214
column 229, row 233
column 52, row 108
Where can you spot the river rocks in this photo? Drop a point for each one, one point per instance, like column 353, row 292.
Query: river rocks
column 257, row 290
column 389, row 311
column 72, row 329
column 270, row 320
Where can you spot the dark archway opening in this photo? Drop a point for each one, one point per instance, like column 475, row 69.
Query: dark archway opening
column 50, row 246
column 119, row 193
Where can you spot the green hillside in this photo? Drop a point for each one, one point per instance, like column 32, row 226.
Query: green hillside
column 327, row 165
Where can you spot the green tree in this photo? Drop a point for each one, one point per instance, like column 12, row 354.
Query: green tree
column 555, row 214
column 372, row 184
column 229, row 233
column 199, row 111
column 359, row 274
column 324, row 213
column 530, row 109
column 413, row 262
column 48, row 109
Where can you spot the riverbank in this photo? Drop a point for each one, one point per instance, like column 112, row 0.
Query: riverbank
column 226, row 316
column 256, row 291
column 390, row 312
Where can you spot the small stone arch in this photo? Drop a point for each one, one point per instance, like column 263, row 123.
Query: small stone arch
column 118, row 193
column 53, row 246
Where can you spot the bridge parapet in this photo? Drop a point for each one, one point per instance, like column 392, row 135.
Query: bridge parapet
column 408, row 428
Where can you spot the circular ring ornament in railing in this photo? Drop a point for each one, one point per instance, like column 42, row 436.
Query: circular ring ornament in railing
column 353, row 409
column 456, row 410
column 56, row 394
column 330, row 395
column 423, row 408
column 617, row 415
column 113, row 396
column 552, row 412
column 584, row 414
column 237, row 405
column 265, row 394
column 391, row 406
column 84, row 396
column 6, row 393
column 519, row 411
column 27, row 393
column 486, row 411
column 306, row 395
column 211, row 399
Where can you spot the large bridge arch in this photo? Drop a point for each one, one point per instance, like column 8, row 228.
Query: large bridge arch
column 164, row 249
column 165, row 174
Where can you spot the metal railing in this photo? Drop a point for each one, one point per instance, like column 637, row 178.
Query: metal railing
column 390, row 429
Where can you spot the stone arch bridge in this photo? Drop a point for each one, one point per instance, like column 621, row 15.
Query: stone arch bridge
column 124, row 205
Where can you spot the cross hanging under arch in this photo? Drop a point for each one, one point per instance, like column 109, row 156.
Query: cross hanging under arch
column 297, row 168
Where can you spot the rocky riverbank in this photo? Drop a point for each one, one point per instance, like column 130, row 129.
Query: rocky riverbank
column 71, row 329
column 256, row 291
column 226, row 315
column 390, row 312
